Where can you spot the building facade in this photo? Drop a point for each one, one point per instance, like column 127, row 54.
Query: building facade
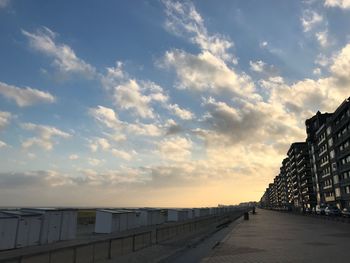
column 317, row 171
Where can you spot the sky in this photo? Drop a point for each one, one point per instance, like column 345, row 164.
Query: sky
column 161, row 103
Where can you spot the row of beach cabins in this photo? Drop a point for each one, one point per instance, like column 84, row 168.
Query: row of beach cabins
column 39, row 226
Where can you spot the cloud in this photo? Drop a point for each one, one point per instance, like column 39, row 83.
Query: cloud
column 123, row 154
column 108, row 178
column 172, row 127
column 341, row 65
column 106, row 116
column 322, row 38
column 109, row 118
column 344, row 4
column 181, row 113
column 263, row 44
column 257, row 66
column 25, row 96
column 95, row 162
column 64, row 57
column 113, row 76
column 310, row 19
column 209, row 70
column 34, row 179
column 128, row 96
column 99, row 143
column 175, row 148
column 2, row 144
column 4, row 3
column 243, row 123
column 5, row 118
column 205, row 72
column 317, row 71
column 133, row 95
column 73, row 157
column 44, row 138
column 183, row 19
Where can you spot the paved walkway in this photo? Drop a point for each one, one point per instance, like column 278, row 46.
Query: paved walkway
column 271, row 236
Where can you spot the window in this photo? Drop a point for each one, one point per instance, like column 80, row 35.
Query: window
column 335, row 179
column 337, row 192
column 329, row 130
column 330, row 142
column 332, row 154
column 347, row 189
column 334, row 167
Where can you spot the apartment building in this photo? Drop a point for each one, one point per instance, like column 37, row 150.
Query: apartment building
column 340, row 129
column 282, row 187
column 299, row 174
column 312, row 126
column 316, row 171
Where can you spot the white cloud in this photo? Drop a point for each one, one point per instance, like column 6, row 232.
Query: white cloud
column 4, row 3
column 322, row 38
column 73, row 157
column 181, row 113
column 106, row 116
column 122, row 154
column 175, row 148
column 113, row 76
column 341, row 65
column 345, row 4
column 257, row 66
column 5, row 118
column 64, row 56
column 2, row 144
column 210, row 70
column 138, row 128
column 99, row 143
column 25, row 96
column 310, row 19
column 44, row 138
column 183, row 19
column 109, row 118
column 322, row 60
column 317, row 71
column 128, row 96
column 95, row 162
column 263, row 44
column 34, row 179
column 205, row 72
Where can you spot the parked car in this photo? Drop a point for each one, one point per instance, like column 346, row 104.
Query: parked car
column 345, row 212
column 308, row 210
column 332, row 211
column 320, row 209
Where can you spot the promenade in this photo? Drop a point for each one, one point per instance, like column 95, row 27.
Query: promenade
column 271, row 236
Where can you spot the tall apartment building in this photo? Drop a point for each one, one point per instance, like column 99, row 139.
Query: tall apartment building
column 282, row 187
column 341, row 165
column 316, row 171
column 299, row 175
column 312, row 125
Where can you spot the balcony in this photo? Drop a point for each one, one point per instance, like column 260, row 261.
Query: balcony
column 327, row 187
column 324, row 163
column 323, row 152
column 329, row 198
column 326, row 175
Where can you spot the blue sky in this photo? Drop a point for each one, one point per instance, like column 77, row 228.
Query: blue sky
column 161, row 103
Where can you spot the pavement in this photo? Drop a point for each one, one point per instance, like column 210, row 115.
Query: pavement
column 271, row 236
